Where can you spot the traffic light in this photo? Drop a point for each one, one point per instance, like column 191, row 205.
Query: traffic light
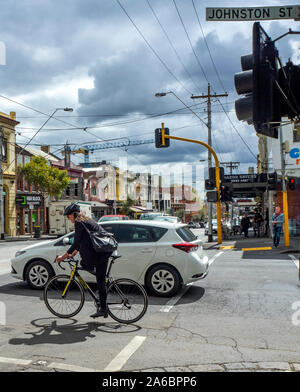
column 212, row 196
column 209, row 185
column 289, row 77
column 212, row 174
column 258, row 82
column 292, row 184
column 158, row 138
column 272, row 181
column 226, row 193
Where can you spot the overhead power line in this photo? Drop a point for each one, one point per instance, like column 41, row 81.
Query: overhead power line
column 151, row 48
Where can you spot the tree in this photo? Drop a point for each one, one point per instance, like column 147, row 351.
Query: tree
column 125, row 206
column 50, row 181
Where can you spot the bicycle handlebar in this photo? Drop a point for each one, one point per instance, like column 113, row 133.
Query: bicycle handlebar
column 68, row 260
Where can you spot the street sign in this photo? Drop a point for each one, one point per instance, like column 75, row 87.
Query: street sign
column 25, row 200
column 253, row 13
column 240, row 178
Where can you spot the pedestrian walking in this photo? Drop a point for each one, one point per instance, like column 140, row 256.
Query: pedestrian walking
column 277, row 222
column 245, row 223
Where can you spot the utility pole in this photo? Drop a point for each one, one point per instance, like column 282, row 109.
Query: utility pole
column 284, row 192
column 209, row 96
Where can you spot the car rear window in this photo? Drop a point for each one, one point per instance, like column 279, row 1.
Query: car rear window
column 186, row 234
column 158, row 232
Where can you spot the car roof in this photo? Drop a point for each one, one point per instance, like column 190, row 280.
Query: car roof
column 167, row 225
column 103, row 216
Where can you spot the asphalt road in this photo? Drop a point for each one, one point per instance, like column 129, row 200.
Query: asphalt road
column 241, row 313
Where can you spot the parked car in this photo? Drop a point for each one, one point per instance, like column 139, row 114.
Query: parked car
column 172, row 219
column 160, row 255
column 151, row 215
column 106, row 218
column 214, row 227
column 192, row 225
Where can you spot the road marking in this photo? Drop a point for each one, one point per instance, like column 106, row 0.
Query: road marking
column 71, row 368
column 214, row 258
column 169, row 305
column 263, row 248
column 294, row 260
column 227, row 247
column 15, row 361
column 119, row 361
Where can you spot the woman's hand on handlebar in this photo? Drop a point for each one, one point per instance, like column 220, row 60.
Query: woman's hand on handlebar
column 62, row 257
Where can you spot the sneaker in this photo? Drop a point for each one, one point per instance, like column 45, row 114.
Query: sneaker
column 100, row 313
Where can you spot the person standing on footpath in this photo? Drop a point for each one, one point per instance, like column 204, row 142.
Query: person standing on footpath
column 245, row 223
column 277, row 222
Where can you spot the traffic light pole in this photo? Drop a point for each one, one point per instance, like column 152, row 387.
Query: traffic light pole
column 209, row 96
column 284, row 193
column 217, row 163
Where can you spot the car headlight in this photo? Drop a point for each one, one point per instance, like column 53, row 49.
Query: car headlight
column 19, row 253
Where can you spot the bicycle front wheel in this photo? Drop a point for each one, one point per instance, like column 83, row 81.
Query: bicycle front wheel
column 62, row 297
column 127, row 300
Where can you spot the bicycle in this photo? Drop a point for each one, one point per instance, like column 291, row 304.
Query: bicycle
column 64, row 295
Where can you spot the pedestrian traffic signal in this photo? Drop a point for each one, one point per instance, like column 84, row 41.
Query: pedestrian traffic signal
column 258, row 82
column 212, row 196
column 292, row 184
column 160, row 141
column 272, row 181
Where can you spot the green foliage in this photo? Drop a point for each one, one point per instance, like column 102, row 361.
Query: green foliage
column 45, row 178
column 125, row 206
column 179, row 214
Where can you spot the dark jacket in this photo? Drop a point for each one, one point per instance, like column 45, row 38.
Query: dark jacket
column 83, row 244
column 245, row 223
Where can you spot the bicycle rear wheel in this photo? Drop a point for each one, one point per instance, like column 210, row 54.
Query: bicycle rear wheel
column 62, row 299
column 127, row 300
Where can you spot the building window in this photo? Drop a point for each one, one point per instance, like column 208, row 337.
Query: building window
column 4, row 150
column 75, row 189
column 296, row 136
column 94, row 191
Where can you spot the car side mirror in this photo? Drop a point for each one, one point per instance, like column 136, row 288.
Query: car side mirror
column 66, row 241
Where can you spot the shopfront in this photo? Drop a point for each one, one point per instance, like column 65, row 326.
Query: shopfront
column 29, row 212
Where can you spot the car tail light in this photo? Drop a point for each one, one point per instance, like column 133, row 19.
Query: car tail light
column 186, row 246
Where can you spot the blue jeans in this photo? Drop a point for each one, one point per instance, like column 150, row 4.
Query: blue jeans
column 276, row 237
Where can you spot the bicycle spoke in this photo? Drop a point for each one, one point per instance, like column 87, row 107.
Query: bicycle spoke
column 67, row 305
column 127, row 301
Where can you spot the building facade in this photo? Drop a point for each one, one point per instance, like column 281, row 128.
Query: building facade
column 8, row 207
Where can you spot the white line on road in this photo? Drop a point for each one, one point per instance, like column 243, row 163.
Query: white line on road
column 15, row 361
column 295, row 260
column 169, row 305
column 71, row 368
column 214, row 258
column 119, row 361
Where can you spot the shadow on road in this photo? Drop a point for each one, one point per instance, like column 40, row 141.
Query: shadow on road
column 55, row 331
column 22, row 289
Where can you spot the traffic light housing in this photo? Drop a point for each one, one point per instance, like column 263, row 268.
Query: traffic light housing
column 272, row 181
column 209, row 185
column 292, row 184
column 212, row 196
column 225, row 193
column 159, row 139
column 258, row 80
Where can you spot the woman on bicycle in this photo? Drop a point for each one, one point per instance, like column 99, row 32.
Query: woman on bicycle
column 90, row 259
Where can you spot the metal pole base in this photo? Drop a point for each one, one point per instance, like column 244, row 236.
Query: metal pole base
column 210, row 238
column 2, row 236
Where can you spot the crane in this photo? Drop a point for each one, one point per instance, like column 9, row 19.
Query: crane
column 86, row 149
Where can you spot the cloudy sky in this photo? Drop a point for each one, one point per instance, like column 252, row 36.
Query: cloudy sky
column 107, row 58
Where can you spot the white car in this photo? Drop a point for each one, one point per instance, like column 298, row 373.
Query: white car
column 214, row 226
column 162, row 256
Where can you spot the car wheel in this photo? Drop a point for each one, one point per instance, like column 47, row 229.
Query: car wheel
column 163, row 281
column 37, row 274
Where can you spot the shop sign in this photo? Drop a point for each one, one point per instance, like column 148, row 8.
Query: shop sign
column 29, row 200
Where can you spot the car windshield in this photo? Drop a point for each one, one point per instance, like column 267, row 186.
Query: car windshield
column 109, row 218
